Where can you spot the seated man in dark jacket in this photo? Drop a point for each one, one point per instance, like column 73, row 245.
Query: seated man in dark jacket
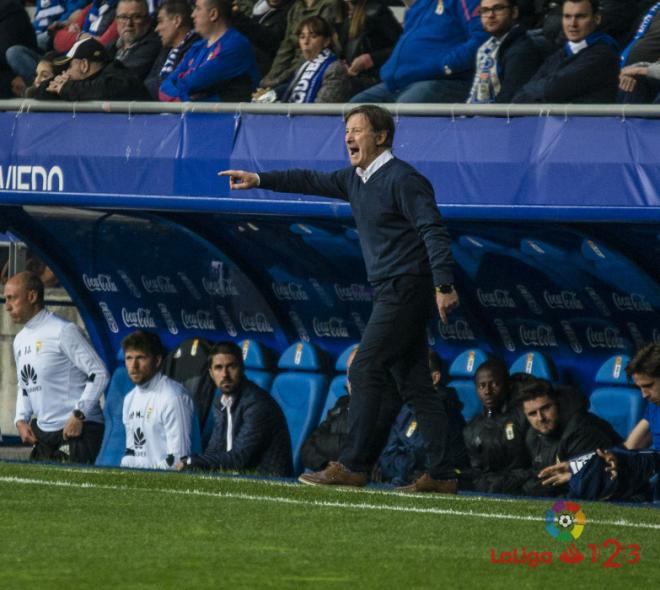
column 250, row 432
column 495, row 439
column 92, row 75
column 561, row 427
column 585, row 70
column 506, row 61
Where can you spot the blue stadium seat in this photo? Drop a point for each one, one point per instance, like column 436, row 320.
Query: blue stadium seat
column 258, row 362
column 536, row 364
column 616, row 399
column 461, row 372
column 114, row 437
column 338, row 384
column 300, row 390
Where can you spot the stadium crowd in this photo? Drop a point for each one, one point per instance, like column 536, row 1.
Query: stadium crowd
column 303, row 51
column 531, row 437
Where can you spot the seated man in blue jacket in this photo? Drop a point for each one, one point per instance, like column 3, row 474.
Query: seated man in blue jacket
column 433, row 61
column 585, row 70
column 221, row 67
column 250, row 432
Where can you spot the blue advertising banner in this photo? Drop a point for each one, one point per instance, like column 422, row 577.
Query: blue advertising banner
column 572, row 168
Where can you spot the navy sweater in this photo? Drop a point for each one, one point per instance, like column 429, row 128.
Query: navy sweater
column 400, row 228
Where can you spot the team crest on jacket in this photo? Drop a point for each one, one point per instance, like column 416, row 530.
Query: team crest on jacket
column 440, row 8
column 411, row 429
column 509, row 432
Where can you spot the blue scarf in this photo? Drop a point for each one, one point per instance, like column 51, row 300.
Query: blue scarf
column 309, row 77
column 595, row 37
column 97, row 22
column 646, row 23
column 172, row 56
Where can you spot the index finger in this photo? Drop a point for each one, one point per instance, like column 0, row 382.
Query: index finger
column 229, row 172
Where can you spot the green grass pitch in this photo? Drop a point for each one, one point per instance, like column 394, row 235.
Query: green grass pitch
column 75, row 528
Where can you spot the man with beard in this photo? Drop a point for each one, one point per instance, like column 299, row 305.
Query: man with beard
column 157, row 412
column 250, row 432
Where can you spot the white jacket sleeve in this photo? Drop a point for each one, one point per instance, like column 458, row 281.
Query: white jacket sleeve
column 23, row 405
column 82, row 354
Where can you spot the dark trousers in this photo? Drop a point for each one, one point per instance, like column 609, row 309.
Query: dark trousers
column 82, row 449
column 393, row 353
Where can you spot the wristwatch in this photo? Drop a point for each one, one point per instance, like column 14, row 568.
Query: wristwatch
column 445, row 288
column 79, row 414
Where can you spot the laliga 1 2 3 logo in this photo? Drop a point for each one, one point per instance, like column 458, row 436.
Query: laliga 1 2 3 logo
column 565, row 521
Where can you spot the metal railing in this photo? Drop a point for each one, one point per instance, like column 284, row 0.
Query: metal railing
column 428, row 110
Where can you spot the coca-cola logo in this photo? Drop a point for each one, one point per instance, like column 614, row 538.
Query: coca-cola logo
column 169, row 320
column 188, row 284
column 563, row 300
column 290, row 291
column 227, row 321
column 529, row 299
column 458, row 330
column 353, row 292
column 573, row 340
column 109, row 318
column 632, row 302
column 161, row 284
column 101, row 282
column 140, row 318
column 220, row 287
column 200, row 319
column 505, row 335
column 129, row 284
column 331, row 328
column 255, row 323
column 607, row 338
column 541, row 335
column 498, row 298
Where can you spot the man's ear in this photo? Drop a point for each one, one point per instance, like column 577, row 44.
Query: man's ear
column 32, row 296
column 213, row 14
column 514, row 13
column 159, row 361
column 381, row 136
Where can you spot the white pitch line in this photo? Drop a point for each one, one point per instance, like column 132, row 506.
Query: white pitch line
column 320, row 503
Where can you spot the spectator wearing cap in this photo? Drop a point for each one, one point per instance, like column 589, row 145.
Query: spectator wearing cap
column 138, row 44
column 92, row 74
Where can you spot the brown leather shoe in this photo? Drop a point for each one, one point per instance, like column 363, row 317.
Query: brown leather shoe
column 335, row 474
column 426, row 483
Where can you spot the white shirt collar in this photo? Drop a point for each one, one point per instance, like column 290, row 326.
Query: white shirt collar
column 37, row 318
column 579, row 46
column 376, row 165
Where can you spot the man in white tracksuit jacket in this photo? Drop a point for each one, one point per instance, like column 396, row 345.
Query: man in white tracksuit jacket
column 60, row 378
column 158, row 411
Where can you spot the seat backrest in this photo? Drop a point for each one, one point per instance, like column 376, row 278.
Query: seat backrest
column 114, row 436
column 536, row 364
column 258, row 362
column 300, row 390
column 615, row 398
column 461, row 372
column 338, row 384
